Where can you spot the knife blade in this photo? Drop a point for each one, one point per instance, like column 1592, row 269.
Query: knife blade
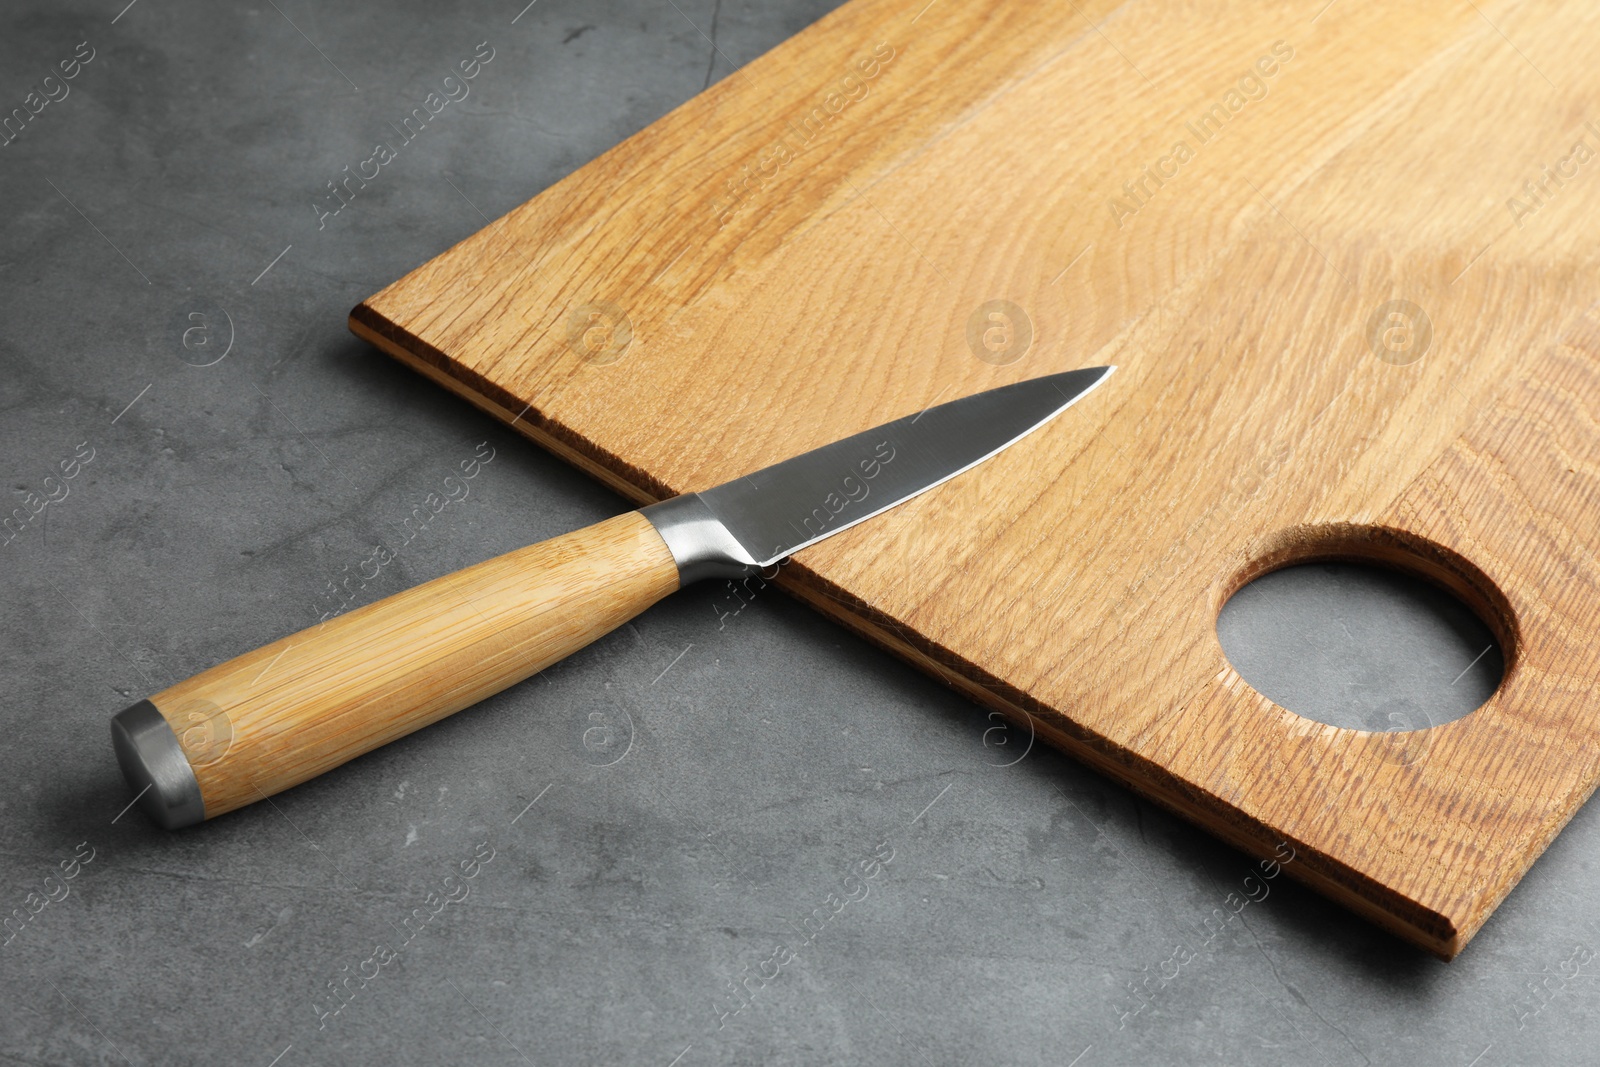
column 273, row 718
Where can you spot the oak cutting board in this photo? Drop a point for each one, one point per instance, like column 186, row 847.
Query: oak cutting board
column 1345, row 256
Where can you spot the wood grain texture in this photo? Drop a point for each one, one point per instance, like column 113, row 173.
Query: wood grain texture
column 1267, row 410
column 275, row 717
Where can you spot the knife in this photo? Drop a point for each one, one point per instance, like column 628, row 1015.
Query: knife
column 273, row 718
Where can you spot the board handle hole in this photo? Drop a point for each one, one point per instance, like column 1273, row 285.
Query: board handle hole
column 1366, row 628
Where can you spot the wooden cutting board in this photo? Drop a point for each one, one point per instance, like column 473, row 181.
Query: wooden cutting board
column 1346, row 261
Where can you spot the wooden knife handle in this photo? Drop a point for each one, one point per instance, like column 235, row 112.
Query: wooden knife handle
column 273, row 718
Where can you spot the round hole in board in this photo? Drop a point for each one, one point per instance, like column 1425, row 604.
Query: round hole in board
column 1367, row 628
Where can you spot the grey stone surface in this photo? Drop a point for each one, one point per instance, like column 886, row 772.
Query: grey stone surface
column 1360, row 647
column 662, row 810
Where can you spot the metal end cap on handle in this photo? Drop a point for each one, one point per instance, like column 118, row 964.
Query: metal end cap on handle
column 155, row 766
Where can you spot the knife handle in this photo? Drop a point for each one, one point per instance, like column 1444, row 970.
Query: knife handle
column 275, row 717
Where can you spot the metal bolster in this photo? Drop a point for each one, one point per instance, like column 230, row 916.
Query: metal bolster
column 698, row 540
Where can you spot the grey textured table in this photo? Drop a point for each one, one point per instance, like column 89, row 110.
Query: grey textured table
column 754, row 841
